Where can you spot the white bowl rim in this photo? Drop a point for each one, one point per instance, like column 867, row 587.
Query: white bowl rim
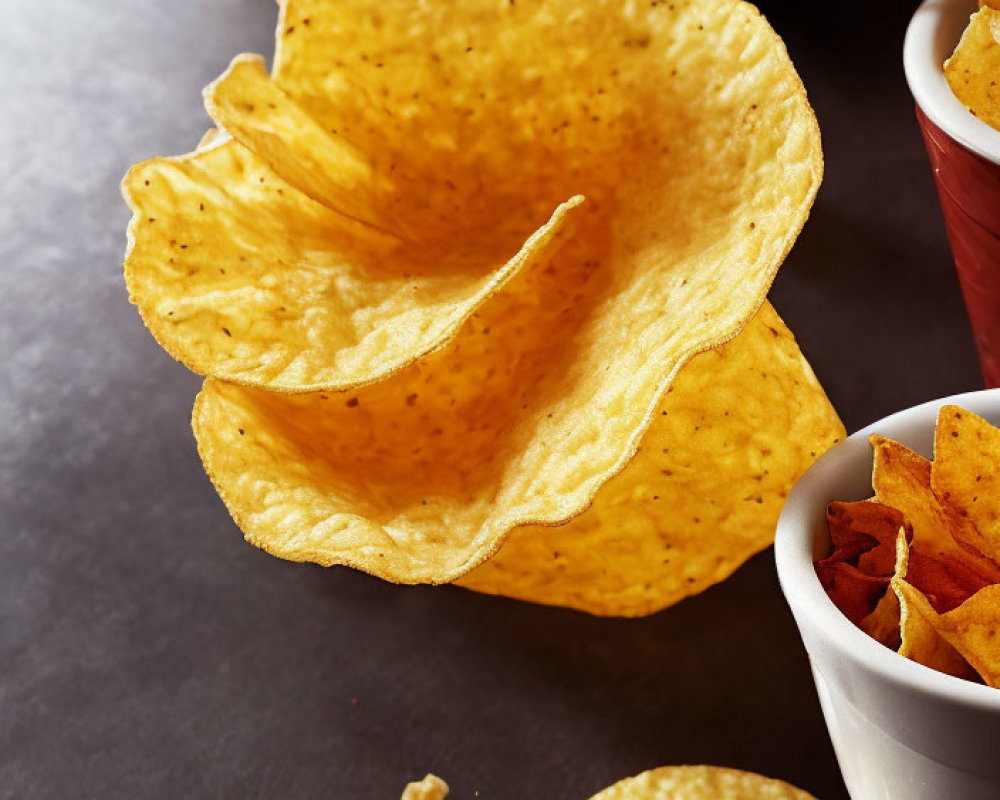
column 805, row 594
column 925, row 76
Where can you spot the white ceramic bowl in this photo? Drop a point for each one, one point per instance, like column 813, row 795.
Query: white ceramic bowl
column 901, row 731
column 931, row 36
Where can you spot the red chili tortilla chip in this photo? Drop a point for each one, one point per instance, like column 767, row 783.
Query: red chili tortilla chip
column 864, row 534
column 946, row 583
column 853, row 592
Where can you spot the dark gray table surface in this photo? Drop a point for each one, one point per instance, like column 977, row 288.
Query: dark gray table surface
column 147, row 652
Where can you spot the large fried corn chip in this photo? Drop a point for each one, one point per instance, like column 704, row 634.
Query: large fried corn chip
column 737, row 428
column 701, row 783
column 379, row 187
column 445, row 270
column 688, row 131
column 240, row 275
column 973, row 71
column 422, row 477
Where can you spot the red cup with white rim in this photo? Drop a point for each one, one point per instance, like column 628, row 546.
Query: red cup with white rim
column 965, row 155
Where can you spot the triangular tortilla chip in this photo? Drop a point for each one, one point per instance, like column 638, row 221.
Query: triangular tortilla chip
column 883, row 624
column 973, row 629
column 965, row 477
column 902, row 479
column 921, row 632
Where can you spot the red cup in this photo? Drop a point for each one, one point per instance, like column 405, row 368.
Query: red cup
column 969, row 190
column 965, row 155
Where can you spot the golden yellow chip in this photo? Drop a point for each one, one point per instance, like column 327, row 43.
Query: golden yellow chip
column 373, row 220
column 688, row 131
column 703, row 494
column 883, row 624
column 421, row 478
column 456, row 132
column 900, row 621
column 902, row 480
column 923, row 633
column 242, row 276
column 430, row 788
column 973, row 629
column 965, row 477
column 213, row 136
column 973, row 71
column 700, row 783
column 320, row 164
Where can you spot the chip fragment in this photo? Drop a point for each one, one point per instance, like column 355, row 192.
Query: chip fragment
column 430, row 788
column 701, row 783
column 883, row 624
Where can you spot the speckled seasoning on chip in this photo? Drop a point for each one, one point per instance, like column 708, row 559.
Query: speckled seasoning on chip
column 701, row 783
column 665, row 783
column 493, row 285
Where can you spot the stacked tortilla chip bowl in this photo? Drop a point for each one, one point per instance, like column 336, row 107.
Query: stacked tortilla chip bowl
column 478, row 293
